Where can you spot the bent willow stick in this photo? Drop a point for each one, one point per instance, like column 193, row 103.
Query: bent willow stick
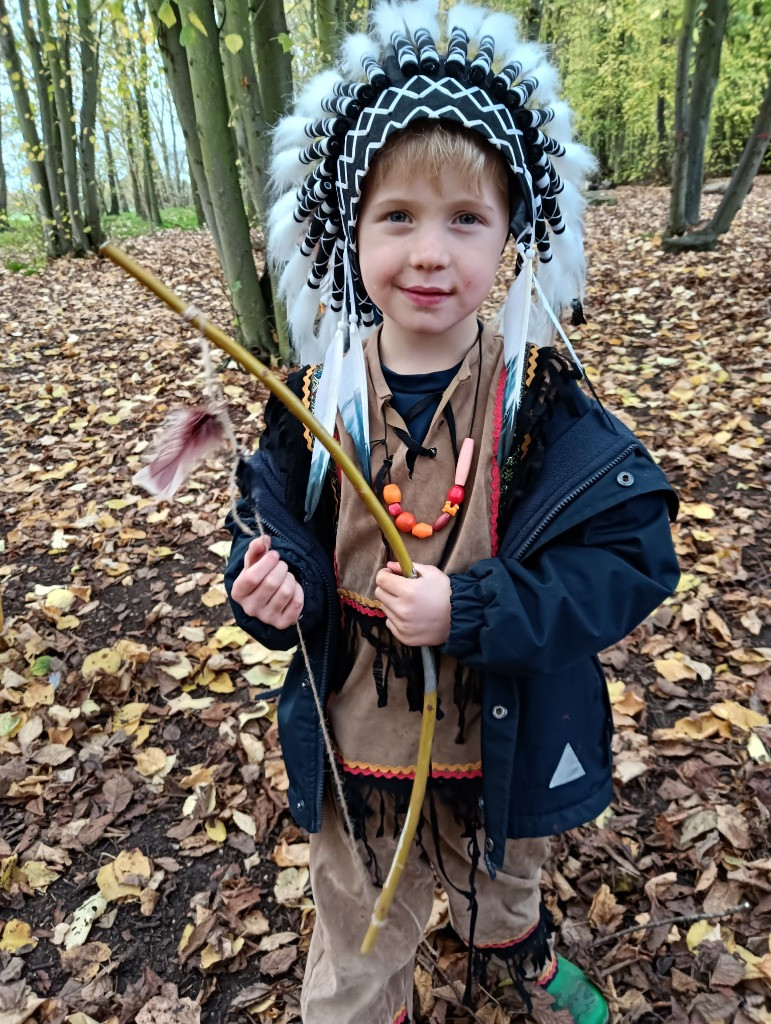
column 385, row 523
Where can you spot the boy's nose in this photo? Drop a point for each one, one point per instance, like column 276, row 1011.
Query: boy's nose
column 430, row 250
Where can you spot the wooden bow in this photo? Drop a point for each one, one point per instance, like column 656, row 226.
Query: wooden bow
column 385, row 523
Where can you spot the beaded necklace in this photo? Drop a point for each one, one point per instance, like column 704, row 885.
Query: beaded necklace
column 405, row 521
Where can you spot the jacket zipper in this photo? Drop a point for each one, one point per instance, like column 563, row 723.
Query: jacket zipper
column 589, row 482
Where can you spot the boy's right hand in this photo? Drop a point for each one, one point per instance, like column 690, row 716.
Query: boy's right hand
column 266, row 589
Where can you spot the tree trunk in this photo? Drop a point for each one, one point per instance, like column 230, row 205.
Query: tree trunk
column 29, row 133
column 705, row 75
column 274, row 64
column 739, row 186
column 52, row 149
column 112, row 177
column 327, row 28
column 246, row 105
column 200, row 216
column 680, row 156
column 55, row 48
column 140, row 94
column 180, row 196
column 219, row 160
column 178, row 77
column 3, row 187
column 128, row 139
column 89, row 64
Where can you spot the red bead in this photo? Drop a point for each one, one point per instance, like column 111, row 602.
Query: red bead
column 405, row 521
column 395, row 509
column 442, row 521
column 456, row 494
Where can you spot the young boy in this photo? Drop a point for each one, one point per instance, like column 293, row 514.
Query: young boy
column 552, row 547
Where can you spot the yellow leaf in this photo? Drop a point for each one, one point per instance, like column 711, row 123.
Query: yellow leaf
column 209, row 956
column 245, row 822
column 60, row 598
column 673, row 670
column 129, row 533
column 222, row 684
column 128, row 717
column 743, row 718
column 233, row 42
column 227, row 635
column 197, row 23
column 166, row 14
column 106, row 660
column 10, row 723
column 68, row 622
column 215, row 596
column 150, row 761
column 38, row 874
column 181, row 669
column 700, row 931
column 630, row 704
column 699, row 511
column 17, row 937
column 222, row 547
column 187, row 931
column 756, row 749
column 216, row 832
column 615, row 690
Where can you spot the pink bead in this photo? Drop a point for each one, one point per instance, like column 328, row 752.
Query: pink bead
column 395, row 509
column 455, row 495
column 464, row 461
column 442, row 521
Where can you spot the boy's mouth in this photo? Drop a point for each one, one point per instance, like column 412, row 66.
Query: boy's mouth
column 424, row 296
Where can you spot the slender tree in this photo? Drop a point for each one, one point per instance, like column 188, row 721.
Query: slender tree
column 112, row 177
column 682, row 120
column 29, row 133
column 740, row 184
column 219, row 160
column 705, row 74
column 56, row 56
column 3, row 186
column 167, row 20
column 89, row 69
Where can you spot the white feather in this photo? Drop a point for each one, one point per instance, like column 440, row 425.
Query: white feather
column 548, row 85
column 577, row 164
column 422, row 14
column 572, row 204
column 289, row 132
column 354, row 48
column 387, row 19
column 308, row 102
column 503, row 29
column 561, row 125
column 529, row 55
column 284, row 233
column 466, row 17
column 286, row 169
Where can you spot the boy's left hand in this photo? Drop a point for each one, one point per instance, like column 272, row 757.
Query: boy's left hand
column 417, row 611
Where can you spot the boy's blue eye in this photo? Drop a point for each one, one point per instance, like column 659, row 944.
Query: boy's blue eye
column 397, row 217
column 467, row 218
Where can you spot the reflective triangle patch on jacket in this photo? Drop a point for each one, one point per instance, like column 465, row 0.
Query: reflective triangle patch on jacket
column 569, row 768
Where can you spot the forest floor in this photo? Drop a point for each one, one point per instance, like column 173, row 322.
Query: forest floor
column 149, row 870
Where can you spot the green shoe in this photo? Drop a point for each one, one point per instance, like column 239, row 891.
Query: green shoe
column 572, row 991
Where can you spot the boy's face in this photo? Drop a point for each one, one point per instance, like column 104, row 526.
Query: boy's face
column 429, row 252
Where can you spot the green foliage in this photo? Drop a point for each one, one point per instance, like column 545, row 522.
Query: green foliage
column 22, row 249
column 618, row 62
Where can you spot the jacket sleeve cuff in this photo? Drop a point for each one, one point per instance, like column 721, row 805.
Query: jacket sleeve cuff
column 466, row 601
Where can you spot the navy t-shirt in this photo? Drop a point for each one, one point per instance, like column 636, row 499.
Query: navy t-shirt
column 407, row 390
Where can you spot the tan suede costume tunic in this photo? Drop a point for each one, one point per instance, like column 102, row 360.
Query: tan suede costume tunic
column 382, row 741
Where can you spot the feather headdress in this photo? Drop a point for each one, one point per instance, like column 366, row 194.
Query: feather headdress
column 469, row 67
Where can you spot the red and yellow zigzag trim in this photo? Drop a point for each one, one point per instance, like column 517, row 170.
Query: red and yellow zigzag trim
column 361, row 603
column 399, row 771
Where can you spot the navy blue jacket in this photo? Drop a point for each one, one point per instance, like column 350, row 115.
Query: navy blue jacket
column 587, row 555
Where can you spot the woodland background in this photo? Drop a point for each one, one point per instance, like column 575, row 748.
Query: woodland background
column 149, row 871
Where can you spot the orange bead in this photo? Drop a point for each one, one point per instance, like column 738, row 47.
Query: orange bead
column 422, row 530
column 391, row 494
column 450, row 508
column 405, row 522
